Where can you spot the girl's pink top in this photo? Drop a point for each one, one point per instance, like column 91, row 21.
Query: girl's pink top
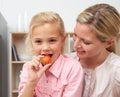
column 63, row 79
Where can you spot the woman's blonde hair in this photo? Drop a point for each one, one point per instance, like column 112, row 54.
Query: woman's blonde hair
column 105, row 22
column 42, row 18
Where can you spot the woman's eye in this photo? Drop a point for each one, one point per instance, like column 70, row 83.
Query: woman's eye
column 86, row 42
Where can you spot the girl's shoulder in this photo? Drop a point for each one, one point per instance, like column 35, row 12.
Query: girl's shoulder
column 71, row 62
column 73, row 55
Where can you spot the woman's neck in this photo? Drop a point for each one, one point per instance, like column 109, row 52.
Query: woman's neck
column 92, row 63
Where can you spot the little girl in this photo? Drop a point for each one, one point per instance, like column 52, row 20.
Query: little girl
column 63, row 77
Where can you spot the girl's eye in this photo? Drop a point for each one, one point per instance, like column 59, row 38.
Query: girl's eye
column 52, row 40
column 38, row 41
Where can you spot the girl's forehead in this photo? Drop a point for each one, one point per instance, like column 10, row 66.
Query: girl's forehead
column 46, row 34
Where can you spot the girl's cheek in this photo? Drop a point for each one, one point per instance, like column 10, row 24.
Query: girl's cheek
column 36, row 51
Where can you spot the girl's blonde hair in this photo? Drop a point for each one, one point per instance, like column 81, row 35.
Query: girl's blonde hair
column 105, row 22
column 42, row 18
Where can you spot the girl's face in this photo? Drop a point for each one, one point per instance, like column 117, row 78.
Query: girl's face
column 46, row 39
column 86, row 43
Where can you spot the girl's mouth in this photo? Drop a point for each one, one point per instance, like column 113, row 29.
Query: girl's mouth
column 48, row 55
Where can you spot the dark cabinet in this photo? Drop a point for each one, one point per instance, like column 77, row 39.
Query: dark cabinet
column 4, row 58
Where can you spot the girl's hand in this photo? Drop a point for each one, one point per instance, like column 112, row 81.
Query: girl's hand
column 34, row 70
column 46, row 59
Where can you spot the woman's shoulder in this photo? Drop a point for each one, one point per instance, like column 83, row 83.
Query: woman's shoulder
column 114, row 59
column 116, row 69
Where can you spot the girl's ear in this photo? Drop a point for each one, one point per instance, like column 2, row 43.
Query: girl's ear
column 110, row 43
column 64, row 38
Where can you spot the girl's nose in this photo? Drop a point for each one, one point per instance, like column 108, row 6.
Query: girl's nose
column 45, row 46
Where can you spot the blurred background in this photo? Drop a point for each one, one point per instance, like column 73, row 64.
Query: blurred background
column 19, row 12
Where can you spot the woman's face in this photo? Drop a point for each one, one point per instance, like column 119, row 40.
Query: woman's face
column 46, row 39
column 86, row 43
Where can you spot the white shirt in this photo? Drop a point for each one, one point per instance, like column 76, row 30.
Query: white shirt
column 103, row 81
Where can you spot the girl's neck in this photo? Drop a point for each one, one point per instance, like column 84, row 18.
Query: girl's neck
column 92, row 63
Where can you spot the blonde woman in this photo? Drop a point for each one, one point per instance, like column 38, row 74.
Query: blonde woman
column 96, row 36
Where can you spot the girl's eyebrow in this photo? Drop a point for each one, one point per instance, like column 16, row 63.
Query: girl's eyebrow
column 35, row 37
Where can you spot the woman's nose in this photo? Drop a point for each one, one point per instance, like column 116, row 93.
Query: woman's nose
column 77, row 43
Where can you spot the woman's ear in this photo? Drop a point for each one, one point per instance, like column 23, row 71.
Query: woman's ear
column 110, row 43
